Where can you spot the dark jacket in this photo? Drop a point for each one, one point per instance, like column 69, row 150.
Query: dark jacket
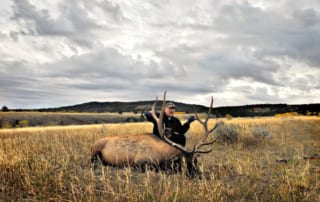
column 174, row 129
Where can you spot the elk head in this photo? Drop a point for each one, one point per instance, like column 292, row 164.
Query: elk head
column 189, row 155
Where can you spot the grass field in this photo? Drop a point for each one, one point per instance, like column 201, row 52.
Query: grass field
column 25, row 119
column 52, row 164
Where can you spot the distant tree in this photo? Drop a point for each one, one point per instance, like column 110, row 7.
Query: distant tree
column 5, row 109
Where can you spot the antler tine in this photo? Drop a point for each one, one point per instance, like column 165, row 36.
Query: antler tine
column 207, row 131
column 208, row 114
column 178, row 146
column 205, row 123
column 203, row 152
column 208, row 143
column 160, row 122
column 161, row 126
column 210, row 108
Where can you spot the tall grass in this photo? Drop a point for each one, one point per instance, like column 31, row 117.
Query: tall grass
column 52, row 164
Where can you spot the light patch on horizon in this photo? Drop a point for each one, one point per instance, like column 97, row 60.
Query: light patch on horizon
column 57, row 53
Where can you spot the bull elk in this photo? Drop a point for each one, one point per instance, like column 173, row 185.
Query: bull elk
column 147, row 149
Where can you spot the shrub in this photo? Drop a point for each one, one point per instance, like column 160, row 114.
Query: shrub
column 5, row 124
column 261, row 132
column 228, row 116
column 257, row 136
column 227, row 133
column 24, row 123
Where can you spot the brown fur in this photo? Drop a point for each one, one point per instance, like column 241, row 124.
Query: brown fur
column 134, row 150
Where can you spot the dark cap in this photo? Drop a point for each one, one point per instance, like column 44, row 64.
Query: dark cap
column 171, row 105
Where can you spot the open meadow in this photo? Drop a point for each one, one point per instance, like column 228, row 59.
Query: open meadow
column 25, row 119
column 255, row 159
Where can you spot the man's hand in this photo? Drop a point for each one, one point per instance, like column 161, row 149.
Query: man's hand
column 191, row 119
column 146, row 113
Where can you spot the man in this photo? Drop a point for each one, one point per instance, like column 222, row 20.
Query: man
column 174, row 129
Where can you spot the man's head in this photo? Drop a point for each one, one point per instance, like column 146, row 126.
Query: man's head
column 170, row 109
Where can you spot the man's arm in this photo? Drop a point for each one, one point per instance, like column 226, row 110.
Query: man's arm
column 182, row 129
column 149, row 117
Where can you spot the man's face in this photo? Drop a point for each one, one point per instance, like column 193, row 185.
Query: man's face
column 169, row 111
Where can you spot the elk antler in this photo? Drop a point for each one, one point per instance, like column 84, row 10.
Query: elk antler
column 162, row 128
column 207, row 131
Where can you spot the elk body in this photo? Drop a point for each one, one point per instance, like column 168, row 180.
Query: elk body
column 135, row 151
column 148, row 149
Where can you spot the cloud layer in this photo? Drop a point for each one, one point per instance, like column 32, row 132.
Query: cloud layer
column 55, row 53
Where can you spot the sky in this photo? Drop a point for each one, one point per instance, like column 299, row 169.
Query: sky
column 57, row 53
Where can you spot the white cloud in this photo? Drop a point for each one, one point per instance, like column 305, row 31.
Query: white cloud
column 55, row 53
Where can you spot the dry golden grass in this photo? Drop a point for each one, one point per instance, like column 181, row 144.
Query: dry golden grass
column 24, row 119
column 52, row 164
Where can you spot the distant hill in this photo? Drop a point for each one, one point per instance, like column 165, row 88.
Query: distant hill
column 236, row 111
column 137, row 107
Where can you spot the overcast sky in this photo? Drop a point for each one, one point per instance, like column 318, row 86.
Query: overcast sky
column 58, row 52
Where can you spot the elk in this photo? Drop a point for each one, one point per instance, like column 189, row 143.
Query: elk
column 148, row 149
